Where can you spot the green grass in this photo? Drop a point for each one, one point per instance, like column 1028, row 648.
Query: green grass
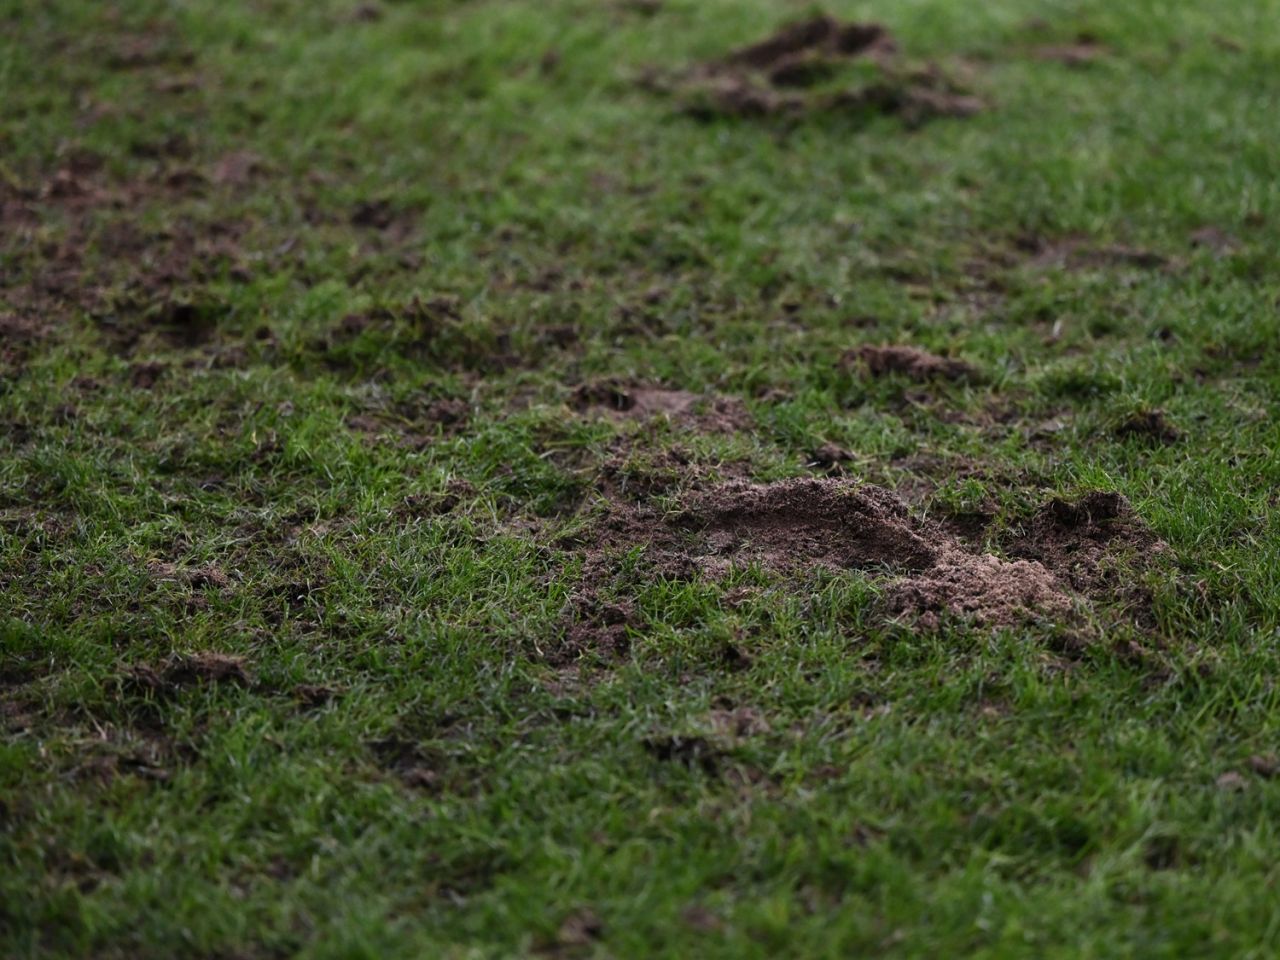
column 470, row 785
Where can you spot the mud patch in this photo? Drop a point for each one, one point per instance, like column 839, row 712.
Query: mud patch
column 813, row 67
column 909, row 362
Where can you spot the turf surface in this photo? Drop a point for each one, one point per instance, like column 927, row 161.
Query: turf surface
column 359, row 362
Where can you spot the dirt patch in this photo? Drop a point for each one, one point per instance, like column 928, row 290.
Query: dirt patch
column 1150, row 426
column 414, row 423
column 1082, row 253
column 1215, row 240
column 624, row 401
column 76, row 248
column 415, row 765
column 1073, row 541
column 793, row 527
column 314, row 695
column 431, row 330
column 697, row 753
column 829, row 457
column 979, row 587
column 909, row 362
column 1086, row 49
column 144, row 376
column 806, row 522
column 188, row 670
column 804, row 69
column 194, row 577
column 237, row 169
column 18, row 335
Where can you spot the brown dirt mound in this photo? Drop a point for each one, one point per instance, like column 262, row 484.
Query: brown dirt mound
column 1073, row 539
column 770, row 77
column 910, row 362
column 808, row 521
column 795, row 525
column 984, row 588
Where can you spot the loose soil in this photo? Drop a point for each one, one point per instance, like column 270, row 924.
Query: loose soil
column 797, row 71
column 1074, row 541
column 910, row 362
column 1150, row 426
column 623, row 401
column 793, row 527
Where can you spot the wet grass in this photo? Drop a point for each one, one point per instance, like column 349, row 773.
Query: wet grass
column 296, row 302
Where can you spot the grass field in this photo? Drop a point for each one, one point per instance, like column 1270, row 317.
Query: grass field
column 443, row 447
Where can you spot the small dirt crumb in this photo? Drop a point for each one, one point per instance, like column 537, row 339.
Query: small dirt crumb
column 699, row 918
column 709, row 414
column 773, row 77
column 818, row 33
column 237, row 169
column 187, row 670
column 738, row 723
column 911, row 362
column 208, row 668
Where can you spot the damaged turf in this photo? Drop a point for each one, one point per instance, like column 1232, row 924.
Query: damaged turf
column 804, row 69
column 796, row 526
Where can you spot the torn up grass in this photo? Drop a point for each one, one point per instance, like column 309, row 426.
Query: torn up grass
column 468, row 487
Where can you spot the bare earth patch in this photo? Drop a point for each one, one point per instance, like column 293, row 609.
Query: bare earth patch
column 1074, row 539
column 623, row 401
column 796, row 71
column 794, row 526
column 910, row 362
